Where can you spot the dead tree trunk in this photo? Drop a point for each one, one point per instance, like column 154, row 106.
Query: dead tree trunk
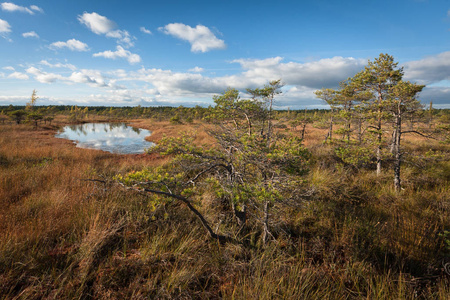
column 303, row 131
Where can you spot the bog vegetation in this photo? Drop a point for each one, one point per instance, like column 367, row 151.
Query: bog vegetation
column 237, row 200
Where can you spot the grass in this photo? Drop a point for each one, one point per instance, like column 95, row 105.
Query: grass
column 352, row 237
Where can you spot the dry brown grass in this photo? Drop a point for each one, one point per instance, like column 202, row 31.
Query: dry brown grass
column 160, row 129
column 353, row 237
column 43, row 175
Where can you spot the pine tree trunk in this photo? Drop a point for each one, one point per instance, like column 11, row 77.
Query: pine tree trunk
column 379, row 139
column 394, row 137
column 349, row 128
column 397, row 152
column 378, row 160
column 330, row 130
column 380, row 133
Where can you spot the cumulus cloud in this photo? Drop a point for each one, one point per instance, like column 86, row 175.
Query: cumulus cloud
column 301, row 79
column 123, row 37
column 43, row 77
column 93, row 78
column 99, row 24
column 57, row 65
column 145, row 30
column 11, row 7
column 36, row 8
column 4, row 26
column 90, row 77
column 433, row 71
column 201, row 38
column 18, row 75
column 73, row 44
column 326, row 72
column 170, row 83
column 153, row 85
column 196, row 70
column 158, row 85
column 430, row 69
column 119, row 53
column 96, row 23
column 30, row 34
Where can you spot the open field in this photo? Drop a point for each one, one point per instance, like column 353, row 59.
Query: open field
column 353, row 237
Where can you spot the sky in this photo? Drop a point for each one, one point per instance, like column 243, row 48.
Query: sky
column 171, row 53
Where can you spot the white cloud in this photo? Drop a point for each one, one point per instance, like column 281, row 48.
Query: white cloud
column 18, row 75
column 90, row 77
column 301, row 80
column 196, row 70
column 9, row 68
column 8, row 6
column 165, row 87
column 99, row 24
column 119, row 53
column 73, row 44
column 326, row 72
column 43, row 77
column 4, row 26
column 201, row 38
column 11, row 7
column 36, row 8
column 30, row 34
column 145, row 30
column 259, row 63
column 433, row 71
column 58, row 65
column 96, row 23
column 123, row 37
column 430, row 69
column 154, row 86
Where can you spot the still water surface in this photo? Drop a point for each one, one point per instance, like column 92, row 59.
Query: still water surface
column 112, row 137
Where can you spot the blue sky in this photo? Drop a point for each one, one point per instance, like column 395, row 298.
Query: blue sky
column 127, row 53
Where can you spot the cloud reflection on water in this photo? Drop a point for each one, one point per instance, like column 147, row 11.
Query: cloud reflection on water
column 112, row 137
